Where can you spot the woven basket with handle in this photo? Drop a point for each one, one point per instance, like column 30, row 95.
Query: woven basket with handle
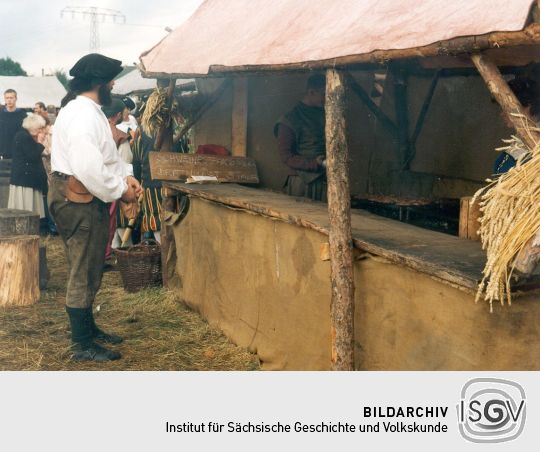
column 140, row 266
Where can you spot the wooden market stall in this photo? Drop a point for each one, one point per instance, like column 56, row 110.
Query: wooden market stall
column 309, row 285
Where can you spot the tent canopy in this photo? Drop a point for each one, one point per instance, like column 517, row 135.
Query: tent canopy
column 257, row 33
column 30, row 90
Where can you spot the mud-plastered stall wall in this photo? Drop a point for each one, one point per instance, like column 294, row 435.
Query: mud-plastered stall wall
column 263, row 283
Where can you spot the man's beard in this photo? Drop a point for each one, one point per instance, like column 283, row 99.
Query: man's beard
column 104, row 95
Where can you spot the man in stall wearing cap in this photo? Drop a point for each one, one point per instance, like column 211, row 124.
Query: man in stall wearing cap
column 87, row 173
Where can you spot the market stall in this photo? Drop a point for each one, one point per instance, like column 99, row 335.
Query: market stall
column 309, row 285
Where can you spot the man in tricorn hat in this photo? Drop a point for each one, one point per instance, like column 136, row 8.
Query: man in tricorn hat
column 87, row 173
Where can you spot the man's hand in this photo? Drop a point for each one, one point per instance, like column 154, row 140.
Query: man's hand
column 321, row 160
column 134, row 183
column 131, row 210
column 129, row 195
column 133, row 192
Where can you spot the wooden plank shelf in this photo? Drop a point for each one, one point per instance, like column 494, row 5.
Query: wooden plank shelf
column 457, row 261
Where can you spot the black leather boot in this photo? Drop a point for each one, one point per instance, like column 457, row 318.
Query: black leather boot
column 100, row 335
column 84, row 348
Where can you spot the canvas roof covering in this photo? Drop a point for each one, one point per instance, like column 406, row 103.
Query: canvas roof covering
column 30, row 90
column 233, row 33
column 134, row 82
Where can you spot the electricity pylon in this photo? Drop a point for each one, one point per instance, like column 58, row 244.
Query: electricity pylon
column 95, row 14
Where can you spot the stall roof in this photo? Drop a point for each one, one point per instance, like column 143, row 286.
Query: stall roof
column 225, row 35
column 30, row 90
column 133, row 82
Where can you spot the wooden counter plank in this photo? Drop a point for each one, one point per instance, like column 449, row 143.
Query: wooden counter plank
column 450, row 258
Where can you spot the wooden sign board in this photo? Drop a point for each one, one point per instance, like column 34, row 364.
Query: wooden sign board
column 175, row 166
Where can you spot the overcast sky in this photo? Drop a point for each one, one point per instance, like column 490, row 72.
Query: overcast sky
column 33, row 33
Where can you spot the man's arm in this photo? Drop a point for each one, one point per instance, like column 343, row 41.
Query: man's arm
column 287, row 151
column 86, row 162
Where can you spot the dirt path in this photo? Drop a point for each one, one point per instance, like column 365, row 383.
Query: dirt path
column 160, row 333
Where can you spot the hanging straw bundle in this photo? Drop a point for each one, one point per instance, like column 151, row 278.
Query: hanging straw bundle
column 510, row 220
column 156, row 112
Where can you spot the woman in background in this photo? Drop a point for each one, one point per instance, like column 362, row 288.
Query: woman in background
column 28, row 181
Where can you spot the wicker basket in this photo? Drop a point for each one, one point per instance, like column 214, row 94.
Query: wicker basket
column 140, row 266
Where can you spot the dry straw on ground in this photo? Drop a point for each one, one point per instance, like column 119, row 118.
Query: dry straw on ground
column 510, row 220
column 160, row 332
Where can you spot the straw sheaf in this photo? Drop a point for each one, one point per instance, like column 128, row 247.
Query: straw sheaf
column 510, row 218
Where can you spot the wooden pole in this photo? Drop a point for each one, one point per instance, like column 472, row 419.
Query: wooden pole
column 340, row 235
column 168, row 204
column 425, row 107
column 402, row 113
column 421, row 119
column 514, row 111
column 239, row 117
column 164, row 135
column 164, row 141
column 381, row 116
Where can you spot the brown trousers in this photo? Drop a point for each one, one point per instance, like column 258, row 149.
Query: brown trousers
column 84, row 229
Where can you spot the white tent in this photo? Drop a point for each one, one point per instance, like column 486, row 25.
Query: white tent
column 134, row 83
column 30, row 90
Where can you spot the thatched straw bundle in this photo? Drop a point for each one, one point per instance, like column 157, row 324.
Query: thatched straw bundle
column 156, row 112
column 510, row 221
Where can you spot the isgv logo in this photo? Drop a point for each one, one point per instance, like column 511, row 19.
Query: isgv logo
column 491, row 410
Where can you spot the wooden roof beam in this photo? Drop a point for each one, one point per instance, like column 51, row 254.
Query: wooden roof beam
column 514, row 111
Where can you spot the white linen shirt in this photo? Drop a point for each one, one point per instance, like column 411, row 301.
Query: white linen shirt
column 83, row 146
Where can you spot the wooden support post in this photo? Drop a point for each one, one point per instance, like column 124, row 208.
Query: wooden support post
column 168, row 204
column 164, row 142
column 381, row 116
column 212, row 99
column 340, row 235
column 508, row 101
column 164, row 135
column 239, row 117
column 421, row 119
column 402, row 114
column 425, row 108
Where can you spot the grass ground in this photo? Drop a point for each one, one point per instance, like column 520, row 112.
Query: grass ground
column 160, row 333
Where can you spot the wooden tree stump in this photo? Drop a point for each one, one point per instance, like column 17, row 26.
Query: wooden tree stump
column 19, row 270
column 18, row 222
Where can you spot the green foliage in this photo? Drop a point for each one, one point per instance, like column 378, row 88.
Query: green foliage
column 10, row 67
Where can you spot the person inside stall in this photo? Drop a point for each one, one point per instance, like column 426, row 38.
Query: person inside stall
column 302, row 143
column 528, row 94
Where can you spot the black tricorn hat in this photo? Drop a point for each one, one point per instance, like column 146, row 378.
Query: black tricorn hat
column 96, row 67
